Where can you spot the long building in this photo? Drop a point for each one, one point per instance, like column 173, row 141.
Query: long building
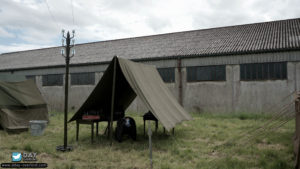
column 243, row 68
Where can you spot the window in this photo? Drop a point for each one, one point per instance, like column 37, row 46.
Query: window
column 263, row 71
column 82, row 78
column 30, row 77
column 206, row 73
column 53, row 80
column 167, row 74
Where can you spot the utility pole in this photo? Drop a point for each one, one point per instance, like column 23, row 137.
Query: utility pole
column 66, row 47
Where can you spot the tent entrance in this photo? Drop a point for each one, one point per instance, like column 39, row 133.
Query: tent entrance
column 131, row 80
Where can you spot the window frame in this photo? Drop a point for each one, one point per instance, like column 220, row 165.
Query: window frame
column 77, row 83
column 212, row 69
column 263, row 71
column 165, row 71
column 45, row 82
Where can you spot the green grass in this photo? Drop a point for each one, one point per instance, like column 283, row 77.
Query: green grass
column 209, row 141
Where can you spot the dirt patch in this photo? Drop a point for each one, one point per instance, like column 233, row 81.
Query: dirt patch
column 44, row 157
column 215, row 154
column 270, row 146
column 185, row 125
column 206, row 140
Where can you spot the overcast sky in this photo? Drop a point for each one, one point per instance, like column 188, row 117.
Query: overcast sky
column 32, row 24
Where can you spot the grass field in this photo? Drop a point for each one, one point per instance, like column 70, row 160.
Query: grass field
column 208, row 142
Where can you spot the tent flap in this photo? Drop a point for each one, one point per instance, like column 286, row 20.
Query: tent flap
column 148, row 85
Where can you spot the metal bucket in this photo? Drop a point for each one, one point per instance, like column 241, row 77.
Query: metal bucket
column 37, row 127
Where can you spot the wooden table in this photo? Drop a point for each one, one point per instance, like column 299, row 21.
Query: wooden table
column 89, row 122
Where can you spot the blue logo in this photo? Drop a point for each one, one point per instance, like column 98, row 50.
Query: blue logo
column 16, row 157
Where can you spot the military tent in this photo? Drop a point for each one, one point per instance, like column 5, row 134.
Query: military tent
column 131, row 80
column 21, row 102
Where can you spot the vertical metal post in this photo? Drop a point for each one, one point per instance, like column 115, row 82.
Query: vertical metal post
column 68, row 46
column 68, row 39
column 150, row 144
column 112, row 100
column 297, row 133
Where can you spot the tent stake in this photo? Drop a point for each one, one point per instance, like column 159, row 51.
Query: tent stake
column 112, row 101
column 150, row 144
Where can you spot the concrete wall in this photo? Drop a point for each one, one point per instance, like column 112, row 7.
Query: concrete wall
column 242, row 96
column 54, row 95
column 208, row 96
column 231, row 95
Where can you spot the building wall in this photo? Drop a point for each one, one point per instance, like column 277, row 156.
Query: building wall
column 208, row 96
column 264, row 96
column 231, row 95
column 54, row 95
column 241, row 96
column 235, row 95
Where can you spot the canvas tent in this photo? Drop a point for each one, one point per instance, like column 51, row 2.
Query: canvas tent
column 131, row 80
column 12, row 78
column 20, row 102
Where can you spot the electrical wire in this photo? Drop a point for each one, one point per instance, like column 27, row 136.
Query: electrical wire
column 72, row 13
column 52, row 16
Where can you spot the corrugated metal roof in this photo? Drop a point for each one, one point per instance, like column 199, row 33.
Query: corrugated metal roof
column 281, row 35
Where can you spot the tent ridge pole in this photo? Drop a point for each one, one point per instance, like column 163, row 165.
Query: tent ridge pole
column 112, row 100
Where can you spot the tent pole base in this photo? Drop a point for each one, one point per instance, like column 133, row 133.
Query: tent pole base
column 63, row 148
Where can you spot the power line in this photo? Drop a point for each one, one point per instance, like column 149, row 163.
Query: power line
column 52, row 16
column 72, row 12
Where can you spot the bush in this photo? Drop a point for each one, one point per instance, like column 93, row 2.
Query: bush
column 28, row 148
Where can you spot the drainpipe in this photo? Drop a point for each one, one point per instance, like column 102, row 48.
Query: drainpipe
column 295, row 78
column 179, row 81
